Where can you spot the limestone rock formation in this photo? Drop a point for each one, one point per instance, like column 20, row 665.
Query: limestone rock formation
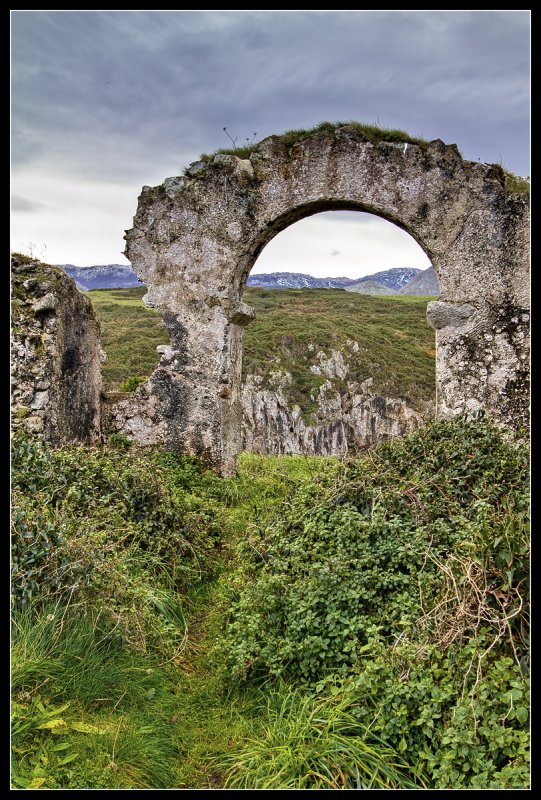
column 344, row 422
column 56, row 356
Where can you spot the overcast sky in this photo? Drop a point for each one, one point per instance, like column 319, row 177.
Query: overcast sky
column 104, row 102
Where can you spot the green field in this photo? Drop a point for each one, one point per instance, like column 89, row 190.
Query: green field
column 130, row 333
column 396, row 347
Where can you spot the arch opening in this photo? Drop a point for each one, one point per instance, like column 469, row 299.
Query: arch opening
column 336, row 361
column 325, row 208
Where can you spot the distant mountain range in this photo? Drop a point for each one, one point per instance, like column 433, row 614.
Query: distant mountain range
column 393, row 279
column 424, row 284
column 399, row 280
column 106, row 276
column 296, row 280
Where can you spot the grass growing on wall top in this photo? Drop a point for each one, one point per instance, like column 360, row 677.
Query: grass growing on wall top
column 367, row 132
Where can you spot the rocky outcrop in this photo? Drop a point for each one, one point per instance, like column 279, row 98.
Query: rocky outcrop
column 343, row 422
column 346, row 417
column 56, row 356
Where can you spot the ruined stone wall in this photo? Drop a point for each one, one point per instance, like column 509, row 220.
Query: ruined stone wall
column 196, row 237
column 56, row 356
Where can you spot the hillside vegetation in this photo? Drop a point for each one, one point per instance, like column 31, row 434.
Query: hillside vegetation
column 130, row 333
column 396, row 347
column 310, row 623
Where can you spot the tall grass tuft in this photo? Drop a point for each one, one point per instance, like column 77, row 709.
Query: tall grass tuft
column 86, row 713
column 315, row 743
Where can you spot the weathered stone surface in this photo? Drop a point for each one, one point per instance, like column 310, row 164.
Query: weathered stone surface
column 440, row 315
column 46, row 303
column 194, row 242
column 56, row 372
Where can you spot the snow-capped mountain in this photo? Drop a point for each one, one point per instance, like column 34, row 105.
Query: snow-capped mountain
column 118, row 276
column 425, row 283
column 296, row 280
column 394, row 278
column 106, row 276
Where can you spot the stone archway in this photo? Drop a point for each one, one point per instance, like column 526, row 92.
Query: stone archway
column 195, row 239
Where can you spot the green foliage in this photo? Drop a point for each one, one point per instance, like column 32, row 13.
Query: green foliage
column 400, row 582
column 131, row 384
column 367, row 132
column 514, row 183
column 103, row 526
column 23, row 258
column 359, row 551
column 86, row 713
column 314, row 742
column 391, row 591
column 413, row 698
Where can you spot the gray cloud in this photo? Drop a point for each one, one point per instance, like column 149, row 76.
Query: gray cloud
column 23, row 204
column 147, row 82
column 130, row 97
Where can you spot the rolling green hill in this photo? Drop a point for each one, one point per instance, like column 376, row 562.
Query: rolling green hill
column 385, row 338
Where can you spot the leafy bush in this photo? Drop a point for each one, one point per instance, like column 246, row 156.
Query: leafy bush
column 399, row 582
column 104, row 527
column 457, row 728
column 360, row 551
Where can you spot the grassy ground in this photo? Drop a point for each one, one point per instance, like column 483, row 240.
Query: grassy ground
column 130, row 333
column 394, row 344
column 95, row 707
column 112, row 691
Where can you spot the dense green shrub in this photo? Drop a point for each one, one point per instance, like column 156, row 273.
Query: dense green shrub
column 360, row 552
column 399, row 582
column 106, row 527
